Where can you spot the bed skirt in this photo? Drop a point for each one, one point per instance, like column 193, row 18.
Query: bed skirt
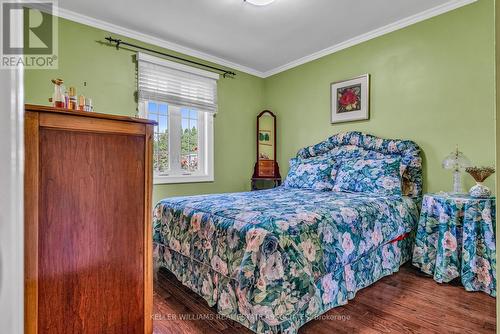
column 332, row 290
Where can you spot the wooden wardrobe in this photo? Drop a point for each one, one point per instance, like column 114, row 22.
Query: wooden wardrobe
column 88, row 247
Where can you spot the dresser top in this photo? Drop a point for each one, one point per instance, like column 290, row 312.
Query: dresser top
column 39, row 108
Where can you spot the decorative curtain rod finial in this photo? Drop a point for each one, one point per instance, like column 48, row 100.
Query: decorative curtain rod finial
column 114, row 40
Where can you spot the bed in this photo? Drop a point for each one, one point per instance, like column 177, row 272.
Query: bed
column 273, row 260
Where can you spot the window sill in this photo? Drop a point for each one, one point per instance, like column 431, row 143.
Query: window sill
column 182, row 179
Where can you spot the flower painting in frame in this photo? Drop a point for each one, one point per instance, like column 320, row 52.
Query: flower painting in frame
column 351, row 99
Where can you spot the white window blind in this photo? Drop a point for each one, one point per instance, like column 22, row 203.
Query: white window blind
column 176, row 84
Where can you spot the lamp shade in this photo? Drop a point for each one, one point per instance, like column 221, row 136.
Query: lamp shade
column 456, row 160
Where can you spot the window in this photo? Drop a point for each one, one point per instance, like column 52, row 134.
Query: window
column 182, row 100
column 159, row 112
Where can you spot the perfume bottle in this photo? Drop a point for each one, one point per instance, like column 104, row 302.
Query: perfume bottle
column 58, row 96
column 81, row 103
column 73, row 103
column 88, row 104
column 66, row 99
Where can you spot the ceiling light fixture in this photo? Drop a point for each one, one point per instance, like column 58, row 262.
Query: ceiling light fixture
column 259, row 2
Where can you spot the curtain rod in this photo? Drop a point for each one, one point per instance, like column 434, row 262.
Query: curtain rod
column 119, row 42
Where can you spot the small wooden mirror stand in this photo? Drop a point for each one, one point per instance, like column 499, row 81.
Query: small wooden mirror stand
column 266, row 168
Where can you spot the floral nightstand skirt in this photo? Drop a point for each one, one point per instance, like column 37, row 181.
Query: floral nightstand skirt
column 456, row 237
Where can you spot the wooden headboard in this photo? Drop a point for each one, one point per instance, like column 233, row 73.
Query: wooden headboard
column 357, row 145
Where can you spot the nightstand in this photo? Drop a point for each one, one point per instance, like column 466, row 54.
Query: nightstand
column 456, row 238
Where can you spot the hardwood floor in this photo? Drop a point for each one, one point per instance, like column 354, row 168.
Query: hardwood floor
column 406, row 302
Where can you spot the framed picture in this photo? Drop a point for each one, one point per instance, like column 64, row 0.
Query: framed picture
column 265, row 138
column 351, row 99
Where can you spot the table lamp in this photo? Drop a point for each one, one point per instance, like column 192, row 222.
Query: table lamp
column 457, row 162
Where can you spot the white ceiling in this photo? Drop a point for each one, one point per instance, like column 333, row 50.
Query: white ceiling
column 258, row 40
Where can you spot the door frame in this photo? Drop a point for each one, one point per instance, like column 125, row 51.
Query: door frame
column 11, row 200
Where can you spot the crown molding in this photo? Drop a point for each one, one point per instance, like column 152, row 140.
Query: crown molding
column 113, row 28
column 403, row 23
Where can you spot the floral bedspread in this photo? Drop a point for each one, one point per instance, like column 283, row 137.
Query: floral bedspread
column 277, row 244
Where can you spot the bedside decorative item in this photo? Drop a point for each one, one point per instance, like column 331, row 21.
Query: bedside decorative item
column 350, row 99
column 457, row 162
column 480, row 174
column 456, row 238
column 266, row 168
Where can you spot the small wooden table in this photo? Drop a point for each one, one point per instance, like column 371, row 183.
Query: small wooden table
column 456, row 238
column 276, row 182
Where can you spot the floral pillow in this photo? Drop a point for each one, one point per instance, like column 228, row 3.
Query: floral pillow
column 379, row 176
column 315, row 173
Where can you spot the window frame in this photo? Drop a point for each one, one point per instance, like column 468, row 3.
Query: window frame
column 205, row 146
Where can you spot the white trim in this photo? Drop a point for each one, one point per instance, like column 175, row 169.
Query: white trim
column 12, row 200
column 174, row 141
column 209, row 152
column 141, row 56
column 403, row 23
column 182, row 179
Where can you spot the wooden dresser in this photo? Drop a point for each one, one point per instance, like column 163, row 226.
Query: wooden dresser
column 88, row 247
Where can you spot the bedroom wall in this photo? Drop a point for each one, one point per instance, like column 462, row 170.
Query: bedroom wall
column 432, row 82
column 432, row 76
column 110, row 75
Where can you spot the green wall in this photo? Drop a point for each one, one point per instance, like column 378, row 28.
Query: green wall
column 110, row 75
column 432, row 82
